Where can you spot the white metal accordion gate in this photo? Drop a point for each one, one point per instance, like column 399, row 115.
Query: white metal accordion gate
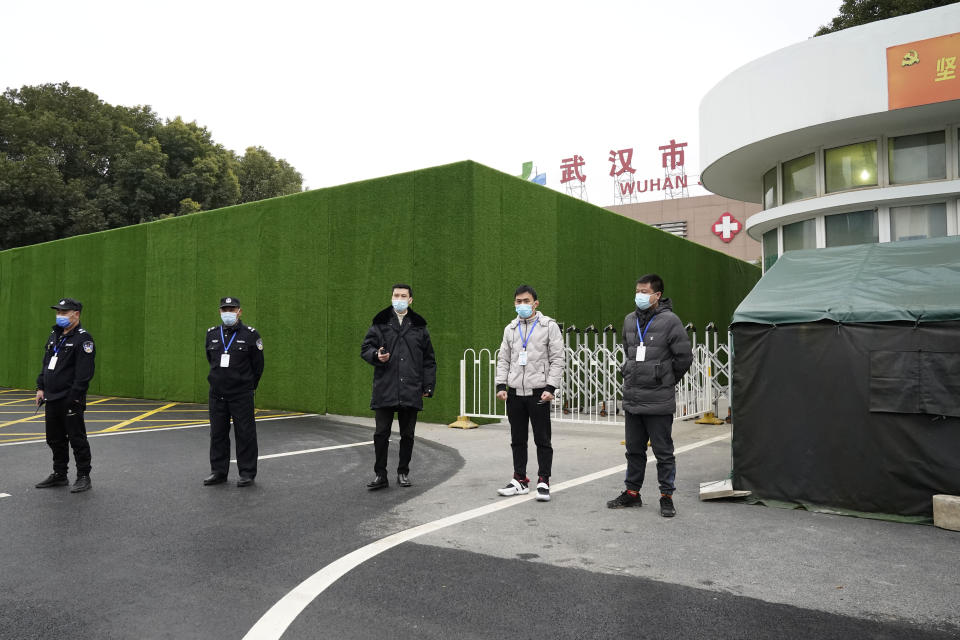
column 592, row 387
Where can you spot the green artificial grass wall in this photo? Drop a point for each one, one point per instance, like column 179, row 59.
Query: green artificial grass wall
column 312, row 269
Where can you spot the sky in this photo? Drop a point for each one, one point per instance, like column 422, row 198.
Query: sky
column 354, row 90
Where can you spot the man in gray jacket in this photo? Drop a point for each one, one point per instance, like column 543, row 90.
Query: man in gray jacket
column 529, row 370
column 658, row 354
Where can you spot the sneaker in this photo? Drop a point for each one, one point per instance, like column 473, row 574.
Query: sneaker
column 82, row 484
column 625, row 500
column 543, row 490
column 53, row 480
column 515, row 487
column 667, row 510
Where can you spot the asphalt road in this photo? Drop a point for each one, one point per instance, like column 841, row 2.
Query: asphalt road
column 151, row 553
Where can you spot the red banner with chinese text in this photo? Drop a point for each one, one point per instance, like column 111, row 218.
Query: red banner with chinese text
column 923, row 72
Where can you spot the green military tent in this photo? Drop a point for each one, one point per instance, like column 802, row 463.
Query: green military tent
column 846, row 382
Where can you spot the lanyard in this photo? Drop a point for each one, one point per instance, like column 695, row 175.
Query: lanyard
column 56, row 347
column 529, row 333
column 223, row 340
column 642, row 334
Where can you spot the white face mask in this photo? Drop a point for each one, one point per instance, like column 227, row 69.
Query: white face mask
column 229, row 318
column 400, row 305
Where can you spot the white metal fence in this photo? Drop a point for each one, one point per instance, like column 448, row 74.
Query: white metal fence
column 592, row 387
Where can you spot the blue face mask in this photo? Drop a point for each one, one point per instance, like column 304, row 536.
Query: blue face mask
column 524, row 310
column 400, row 305
column 642, row 301
column 229, row 318
column 63, row 322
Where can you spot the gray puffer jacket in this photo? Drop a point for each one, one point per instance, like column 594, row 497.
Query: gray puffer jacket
column 545, row 355
column 648, row 386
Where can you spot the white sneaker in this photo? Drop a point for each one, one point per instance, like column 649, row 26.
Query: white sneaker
column 543, row 492
column 515, row 487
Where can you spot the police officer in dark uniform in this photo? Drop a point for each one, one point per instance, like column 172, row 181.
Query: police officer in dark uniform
column 62, row 385
column 235, row 354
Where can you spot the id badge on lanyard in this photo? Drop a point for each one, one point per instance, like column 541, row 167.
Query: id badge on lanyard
column 522, row 356
column 641, row 349
column 225, row 356
column 56, row 355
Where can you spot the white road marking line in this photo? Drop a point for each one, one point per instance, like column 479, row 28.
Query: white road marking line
column 274, row 623
column 297, row 453
column 4, row 495
column 149, row 430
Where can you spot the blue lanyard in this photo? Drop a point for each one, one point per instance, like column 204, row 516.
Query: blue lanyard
column 56, row 347
column 642, row 334
column 529, row 333
column 223, row 340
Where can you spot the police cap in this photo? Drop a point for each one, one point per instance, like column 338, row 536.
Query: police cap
column 68, row 304
column 229, row 302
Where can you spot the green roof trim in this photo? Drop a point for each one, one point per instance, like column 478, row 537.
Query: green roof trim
column 912, row 280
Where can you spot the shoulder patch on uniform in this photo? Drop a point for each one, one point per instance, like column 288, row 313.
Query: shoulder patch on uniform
column 81, row 330
column 260, row 344
column 251, row 328
column 88, row 347
column 210, row 329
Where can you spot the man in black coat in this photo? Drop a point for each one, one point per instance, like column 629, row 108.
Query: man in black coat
column 405, row 372
column 658, row 354
column 68, row 364
column 235, row 354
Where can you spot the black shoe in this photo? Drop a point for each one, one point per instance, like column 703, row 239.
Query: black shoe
column 667, row 510
column 625, row 500
column 403, row 480
column 82, row 484
column 53, row 480
column 380, row 482
column 244, row 481
column 214, row 478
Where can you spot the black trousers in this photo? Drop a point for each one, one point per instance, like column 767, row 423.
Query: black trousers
column 407, row 418
column 239, row 408
column 65, row 430
column 658, row 430
column 520, row 410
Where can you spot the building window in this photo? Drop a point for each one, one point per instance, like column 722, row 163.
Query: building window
column 858, row 227
column 918, row 221
column 770, row 189
column 800, row 178
column 918, row 158
column 850, row 167
column 800, row 235
column 676, row 228
column 769, row 249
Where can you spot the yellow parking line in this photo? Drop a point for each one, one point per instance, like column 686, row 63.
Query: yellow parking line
column 7, row 424
column 141, row 417
column 38, row 437
column 3, row 404
column 99, row 401
column 14, row 390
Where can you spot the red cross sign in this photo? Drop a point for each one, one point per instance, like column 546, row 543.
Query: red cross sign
column 727, row 227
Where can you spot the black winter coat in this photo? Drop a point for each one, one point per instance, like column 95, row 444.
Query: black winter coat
column 75, row 365
column 411, row 370
column 246, row 360
column 648, row 386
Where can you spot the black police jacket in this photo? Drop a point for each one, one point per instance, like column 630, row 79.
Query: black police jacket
column 411, row 370
column 71, row 376
column 245, row 349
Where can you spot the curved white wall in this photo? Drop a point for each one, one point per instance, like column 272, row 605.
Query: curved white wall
column 825, row 90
